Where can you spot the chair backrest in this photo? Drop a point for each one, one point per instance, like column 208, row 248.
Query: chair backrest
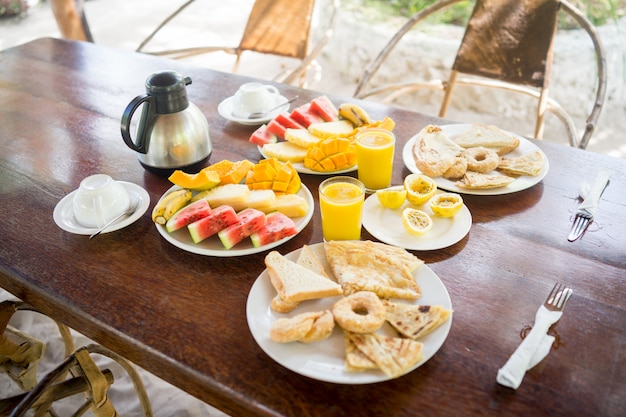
column 511, row 43
column 275, row 27
column 267, row 32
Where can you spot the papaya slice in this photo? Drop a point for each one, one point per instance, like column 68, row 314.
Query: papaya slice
column 203, row 180
column 237, row 172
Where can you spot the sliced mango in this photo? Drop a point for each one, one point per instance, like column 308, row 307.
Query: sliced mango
column 331, row 154
column 237, row 172
column 272, row 174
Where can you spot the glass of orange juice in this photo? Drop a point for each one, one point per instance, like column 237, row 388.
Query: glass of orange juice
column 341, row 205
column 374, row 150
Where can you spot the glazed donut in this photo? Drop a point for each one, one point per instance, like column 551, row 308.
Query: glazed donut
column 481, row 159
column 361, row 312
column 457, row 170
column 305, row 327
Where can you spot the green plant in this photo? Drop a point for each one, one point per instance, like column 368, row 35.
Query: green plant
column 599, row 12
column 12, row 7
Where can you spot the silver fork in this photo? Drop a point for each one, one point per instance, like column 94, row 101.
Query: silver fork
column 581, row 221
column 512, row 373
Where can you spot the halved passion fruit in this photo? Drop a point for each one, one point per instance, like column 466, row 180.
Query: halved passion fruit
column 446, row 204
column 416, row 222
column 419, row 188
column 392, row 197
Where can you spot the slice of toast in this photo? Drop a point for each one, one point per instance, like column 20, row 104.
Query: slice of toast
column 309, row 260
column 294, row 282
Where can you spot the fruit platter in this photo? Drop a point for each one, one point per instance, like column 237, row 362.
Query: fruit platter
column 234, row 208
column 316, row 137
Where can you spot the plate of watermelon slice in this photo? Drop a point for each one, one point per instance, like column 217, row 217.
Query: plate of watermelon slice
column 213, row 246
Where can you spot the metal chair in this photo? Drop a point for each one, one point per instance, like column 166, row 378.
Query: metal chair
column 275, row 27
column 20, row 355
column 508, row 44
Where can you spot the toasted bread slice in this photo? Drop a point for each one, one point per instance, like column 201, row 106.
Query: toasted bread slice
column 309, row 260
column 295, row 282
column 491, row 137
column 413, row 320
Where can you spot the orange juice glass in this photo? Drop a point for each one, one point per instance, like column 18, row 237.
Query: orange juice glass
column 341, row 205
column 374, row 150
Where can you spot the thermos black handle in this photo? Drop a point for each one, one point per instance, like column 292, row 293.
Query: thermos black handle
column 145, row 123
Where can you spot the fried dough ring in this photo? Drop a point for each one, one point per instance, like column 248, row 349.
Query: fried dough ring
column 481, row 159
column 361, row 312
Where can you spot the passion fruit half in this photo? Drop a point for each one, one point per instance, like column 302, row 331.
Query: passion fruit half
column 446, row 204
column 419, row 188
column 415, row 221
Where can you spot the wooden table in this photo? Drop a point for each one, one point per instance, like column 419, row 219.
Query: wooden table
column 182, row 316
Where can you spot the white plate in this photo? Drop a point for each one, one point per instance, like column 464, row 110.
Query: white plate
column 453, row 130
column 324, row 360
column 212, row 246
column 386, row 225
column 225, row 109
column 299, row 166
column 64, row 214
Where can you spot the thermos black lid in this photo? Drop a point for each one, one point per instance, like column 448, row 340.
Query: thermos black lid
column 169, row 90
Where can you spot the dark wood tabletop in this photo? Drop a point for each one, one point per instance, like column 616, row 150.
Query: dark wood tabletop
column 182, row 316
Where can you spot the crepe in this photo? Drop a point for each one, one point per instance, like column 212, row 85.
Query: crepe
column 371, row 266
column 491, row 137
column 414, row 321
column 477, row 180
column 434, row 153
column 393, row 355
column 528, row 164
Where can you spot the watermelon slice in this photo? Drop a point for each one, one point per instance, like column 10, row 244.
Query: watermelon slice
column 248, row 221
column 303, row 115
column 278, row 227
column 187, row 215
column 323, row 107
column 262, row 136
column 220, row 218
column 276, row 128
column 286, row 120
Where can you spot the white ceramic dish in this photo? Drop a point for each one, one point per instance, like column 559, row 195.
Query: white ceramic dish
column 212, row 246
column 386, row 225
column 299, row 166
column 225, row 109
column 64, row 213
column 324, row 360
column 453, row 130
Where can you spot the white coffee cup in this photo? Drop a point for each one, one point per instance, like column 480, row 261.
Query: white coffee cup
column 98, row 200
column 253, row 97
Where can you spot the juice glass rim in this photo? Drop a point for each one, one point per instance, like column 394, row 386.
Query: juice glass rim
column 370, row 130
column 337, row 179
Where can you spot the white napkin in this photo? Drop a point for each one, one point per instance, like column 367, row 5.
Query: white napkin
column 531, row 351
column 591, row 193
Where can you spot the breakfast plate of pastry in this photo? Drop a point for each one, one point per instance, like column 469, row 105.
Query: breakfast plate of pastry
column 475, row 159
column 302, row 311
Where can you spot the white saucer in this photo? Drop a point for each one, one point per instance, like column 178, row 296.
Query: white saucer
column 225, row 109
column 64, row 214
